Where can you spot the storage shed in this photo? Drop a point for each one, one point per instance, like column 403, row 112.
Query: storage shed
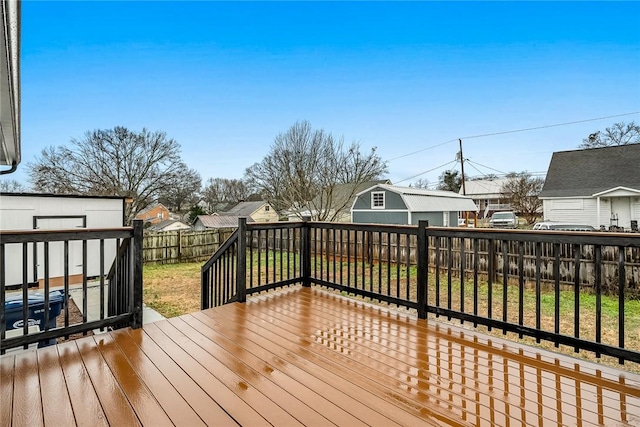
column 28, row 211
column 391, row 204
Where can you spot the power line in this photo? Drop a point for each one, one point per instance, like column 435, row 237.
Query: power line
column 549, row 126
column 430, row 170
column 486, row 167
column 423, row 149
column 514, row 131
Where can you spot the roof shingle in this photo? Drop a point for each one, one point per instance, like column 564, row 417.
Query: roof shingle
column 591, row 171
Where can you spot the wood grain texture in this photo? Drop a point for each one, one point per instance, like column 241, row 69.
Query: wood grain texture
column 27, row 403
column 6, row 389
column 114, row 403
column 207, row 408
column 84, row 400
column 56, row 404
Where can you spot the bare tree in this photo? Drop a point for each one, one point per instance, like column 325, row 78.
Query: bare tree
column 310, row 172
column 11, row 186
column 218, row 193
column 184, row 192
column 113, row 162
column 618, row 134
column 522, row 191
column 420, row 183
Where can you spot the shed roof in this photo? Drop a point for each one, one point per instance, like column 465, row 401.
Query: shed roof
column 423, row 200
column 485, row 188
column 167, row 222
column 591, row 171
column 219, row 221
column 244, row 208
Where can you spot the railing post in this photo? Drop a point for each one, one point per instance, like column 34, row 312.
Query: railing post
column 306, row 253
column 136, row 314
column 241, row 260
column 423, row 268
column 204, row 289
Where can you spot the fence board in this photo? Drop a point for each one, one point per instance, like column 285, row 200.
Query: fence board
column 170, row 247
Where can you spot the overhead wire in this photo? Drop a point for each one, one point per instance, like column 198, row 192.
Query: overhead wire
column 514, row 131
column 427, row 171
column 423, row 149
column 549, row 126
column 499, row 133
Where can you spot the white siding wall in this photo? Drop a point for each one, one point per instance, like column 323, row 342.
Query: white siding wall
column 577, row 211
column 264, row 215
column 17, row 213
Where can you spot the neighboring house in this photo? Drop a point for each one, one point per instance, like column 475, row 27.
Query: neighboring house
column 204, row 222
column 342, row 196
column 598, row 187
column 169, row 225
column 154, row 214
column 258, row 211
column 29, row 211
column 487, row 195
column 389, row 204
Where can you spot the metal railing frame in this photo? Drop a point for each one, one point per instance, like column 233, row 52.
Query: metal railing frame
column 124, row 281
column 441, row 236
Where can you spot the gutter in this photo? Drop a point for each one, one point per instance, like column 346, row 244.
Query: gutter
column 14, row 167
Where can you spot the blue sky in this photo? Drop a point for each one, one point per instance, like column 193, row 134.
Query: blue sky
column 224, row 79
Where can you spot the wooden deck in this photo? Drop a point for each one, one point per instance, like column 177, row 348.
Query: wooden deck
column 305, row 357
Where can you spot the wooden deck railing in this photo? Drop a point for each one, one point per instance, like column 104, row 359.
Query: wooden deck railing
column 549, row 285
column 56, row 252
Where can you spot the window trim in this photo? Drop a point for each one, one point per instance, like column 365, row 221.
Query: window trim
column 373, row 200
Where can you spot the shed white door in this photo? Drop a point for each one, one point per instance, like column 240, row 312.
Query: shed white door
column 56, row 249
column 621, row 208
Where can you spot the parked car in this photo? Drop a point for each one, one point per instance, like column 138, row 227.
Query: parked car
column 561, row 226
column 503, row 220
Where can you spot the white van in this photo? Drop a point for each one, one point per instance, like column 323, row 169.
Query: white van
column 561, row 226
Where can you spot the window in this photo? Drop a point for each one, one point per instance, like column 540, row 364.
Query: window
column 377, row 200
column 266, row 208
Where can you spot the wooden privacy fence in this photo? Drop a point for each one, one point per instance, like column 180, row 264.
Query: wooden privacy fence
column 170, row 247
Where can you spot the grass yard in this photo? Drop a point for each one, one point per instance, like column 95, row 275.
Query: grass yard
column 172, row 289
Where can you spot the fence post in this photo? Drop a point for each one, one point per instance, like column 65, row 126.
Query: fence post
column 136, row 313
column 306, row 252
column 423, row 268
column 241, row 260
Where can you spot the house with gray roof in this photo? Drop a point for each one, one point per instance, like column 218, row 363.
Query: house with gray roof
column 599, row 187
column 391, row 204
column 203, row 222
column 259, row 211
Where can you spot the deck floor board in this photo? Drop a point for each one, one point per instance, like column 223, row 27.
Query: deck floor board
column 303, row 356
column 6, row 389
column 56, row 404
column 87, row 409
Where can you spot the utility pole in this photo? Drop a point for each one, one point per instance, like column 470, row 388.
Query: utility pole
column 464, row 190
